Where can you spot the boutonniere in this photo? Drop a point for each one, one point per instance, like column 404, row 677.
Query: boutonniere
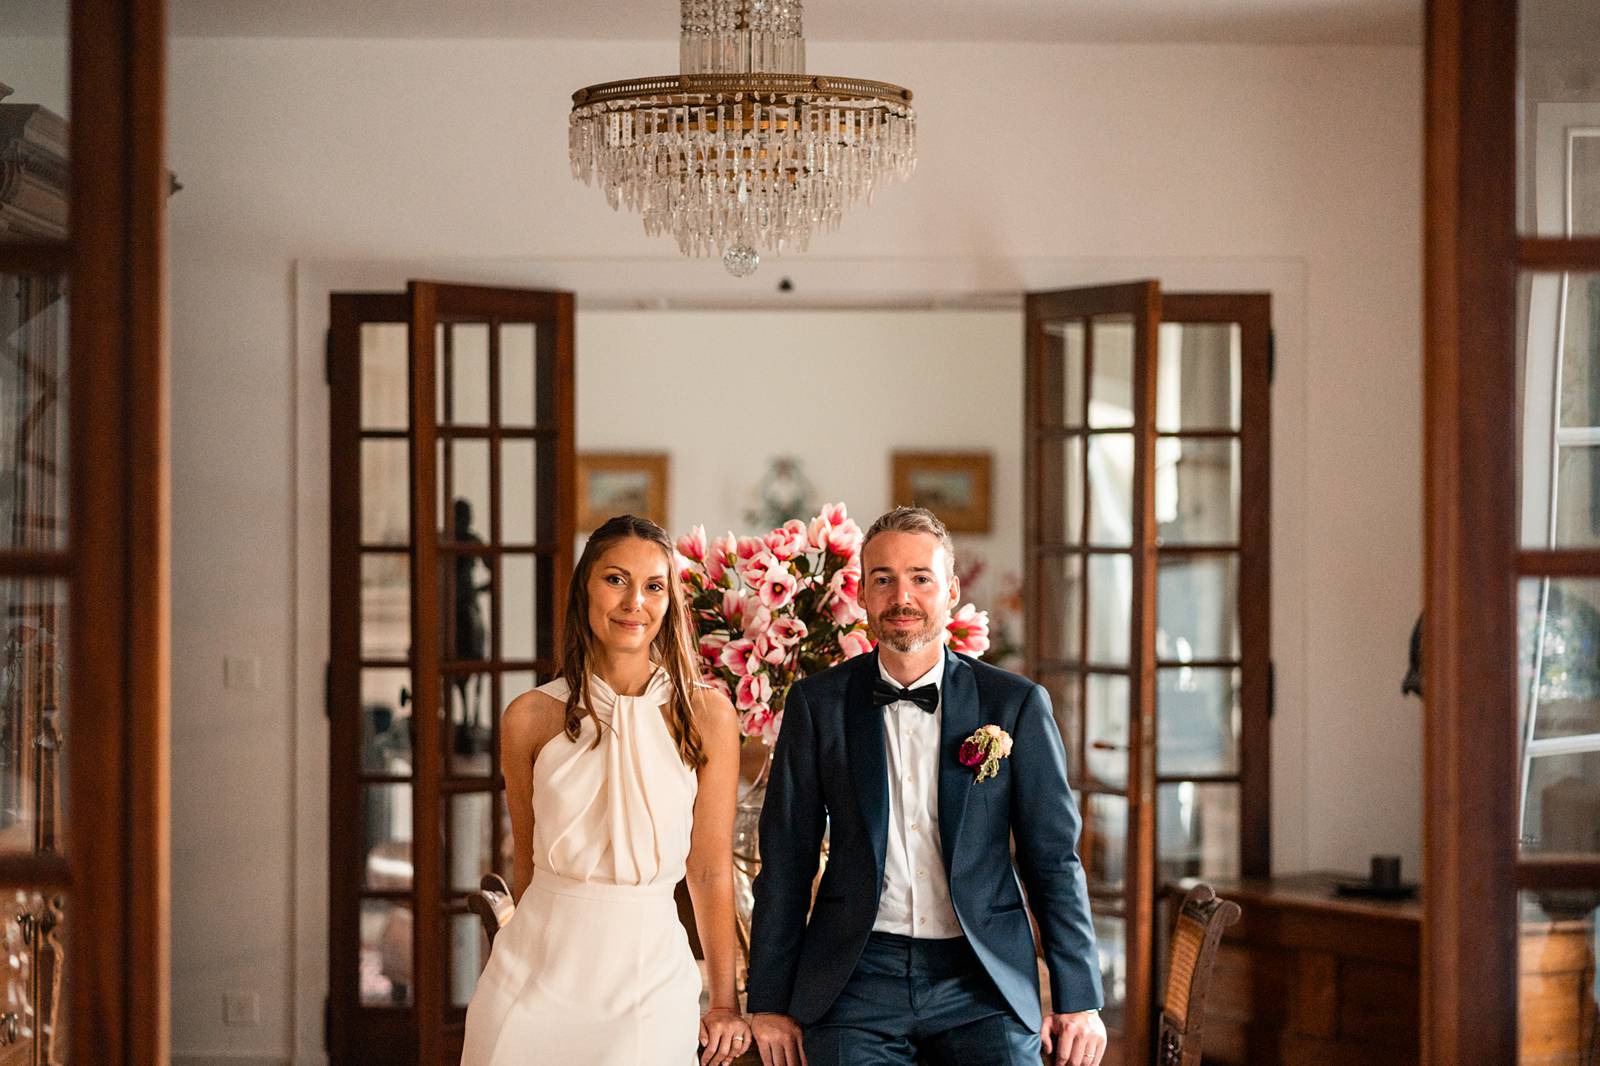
column 984, row 749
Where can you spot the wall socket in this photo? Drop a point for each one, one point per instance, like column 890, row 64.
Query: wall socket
column 241, row 1008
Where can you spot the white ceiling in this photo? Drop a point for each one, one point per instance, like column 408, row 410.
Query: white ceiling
column 1242, row 21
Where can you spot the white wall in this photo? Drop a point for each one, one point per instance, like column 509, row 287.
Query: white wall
column 1202, row 156
column 847, row 388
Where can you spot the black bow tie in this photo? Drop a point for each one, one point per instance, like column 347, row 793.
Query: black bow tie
column 887, row 692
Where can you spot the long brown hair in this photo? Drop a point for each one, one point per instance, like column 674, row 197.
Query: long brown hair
column 671, row 648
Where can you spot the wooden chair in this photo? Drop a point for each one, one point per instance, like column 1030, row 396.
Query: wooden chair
column 1201, row 919
column 492, row 903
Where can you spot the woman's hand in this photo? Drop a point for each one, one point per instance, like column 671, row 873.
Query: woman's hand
column 724, row 1034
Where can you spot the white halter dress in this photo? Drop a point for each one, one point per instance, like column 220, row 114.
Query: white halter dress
column 594, row 966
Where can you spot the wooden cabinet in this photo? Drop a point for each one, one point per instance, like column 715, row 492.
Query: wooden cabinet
column 1310, row 977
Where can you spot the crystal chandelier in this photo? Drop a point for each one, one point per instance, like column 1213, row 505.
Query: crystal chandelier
column 743, row 149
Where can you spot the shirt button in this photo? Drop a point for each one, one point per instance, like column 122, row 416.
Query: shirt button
column 913, row 827
column 922, row 873
column 922, row 921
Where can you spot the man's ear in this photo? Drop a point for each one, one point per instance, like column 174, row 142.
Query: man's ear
column 955, row 592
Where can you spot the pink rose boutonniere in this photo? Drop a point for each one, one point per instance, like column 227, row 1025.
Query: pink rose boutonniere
column 984, row 749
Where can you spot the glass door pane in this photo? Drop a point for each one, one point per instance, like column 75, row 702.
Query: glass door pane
column 1559, row 377
column 1559, row 715
column 36, row 617
column 33, row 424
column 1197, row 490
column 1558, row 158
column 1112, row 371
column 1198, row 382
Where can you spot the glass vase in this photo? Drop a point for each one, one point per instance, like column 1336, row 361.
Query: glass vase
column 747, row 845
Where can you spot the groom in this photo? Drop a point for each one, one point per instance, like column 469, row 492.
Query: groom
column 918, row 947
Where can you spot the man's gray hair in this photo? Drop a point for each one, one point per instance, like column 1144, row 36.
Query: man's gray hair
column 914, row 520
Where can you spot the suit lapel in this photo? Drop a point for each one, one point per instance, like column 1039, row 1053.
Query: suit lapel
column 959, row 718
column 863, row 724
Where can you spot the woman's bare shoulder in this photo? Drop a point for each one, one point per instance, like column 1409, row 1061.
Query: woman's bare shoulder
column 532, row 718
column 713, row 713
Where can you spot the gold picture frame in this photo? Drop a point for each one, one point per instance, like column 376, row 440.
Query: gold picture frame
column 615, row 483
column 953, row 485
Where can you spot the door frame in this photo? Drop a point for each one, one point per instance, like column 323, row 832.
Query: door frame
column 116, row 870
column 428, row 1027
column 610, row 283
column 1473, row 255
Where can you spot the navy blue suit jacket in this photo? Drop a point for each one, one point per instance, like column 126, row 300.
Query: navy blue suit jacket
column 830, row 768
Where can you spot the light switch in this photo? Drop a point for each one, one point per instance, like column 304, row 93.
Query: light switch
column 241, row 672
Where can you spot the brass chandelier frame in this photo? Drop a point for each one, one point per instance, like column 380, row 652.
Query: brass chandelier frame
column 676, row 90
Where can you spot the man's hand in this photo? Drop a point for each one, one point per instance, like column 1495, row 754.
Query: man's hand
column 778, row 1037
column 1073, row 1039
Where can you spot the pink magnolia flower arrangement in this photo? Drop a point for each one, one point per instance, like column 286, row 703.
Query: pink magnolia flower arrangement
column 770, row 610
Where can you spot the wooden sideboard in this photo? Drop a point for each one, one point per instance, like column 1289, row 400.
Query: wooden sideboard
column 1310, row 977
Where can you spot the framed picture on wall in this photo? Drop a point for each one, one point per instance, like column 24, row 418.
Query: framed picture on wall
column 614, row 483
column 953, row 485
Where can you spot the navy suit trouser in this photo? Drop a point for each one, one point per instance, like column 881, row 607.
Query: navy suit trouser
column 913, row 1001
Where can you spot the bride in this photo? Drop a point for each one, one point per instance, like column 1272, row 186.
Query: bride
column 620, row 779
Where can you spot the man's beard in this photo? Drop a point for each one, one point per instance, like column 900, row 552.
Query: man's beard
column 906, row 642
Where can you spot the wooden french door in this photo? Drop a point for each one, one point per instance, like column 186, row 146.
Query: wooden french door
column 84, row 629
column 1511, row 922
column 1213, row 501
column 452, row 535
column 1090, row 605
column 1146, row 597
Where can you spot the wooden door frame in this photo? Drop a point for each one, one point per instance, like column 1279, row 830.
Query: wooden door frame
column 1473, row 256
column 116, row 866
column 118, row 792
column 1143, row 299
column 1469, row 444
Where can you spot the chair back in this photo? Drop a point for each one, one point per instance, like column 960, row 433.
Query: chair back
column 492, row 903
column 1201, row 919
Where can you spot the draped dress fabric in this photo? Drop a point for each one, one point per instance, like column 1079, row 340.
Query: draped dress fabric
column 594, row 966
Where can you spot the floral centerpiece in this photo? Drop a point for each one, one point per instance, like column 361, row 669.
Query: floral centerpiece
column 770, row 610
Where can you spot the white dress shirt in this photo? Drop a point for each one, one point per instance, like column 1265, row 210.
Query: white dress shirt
column 916, row 889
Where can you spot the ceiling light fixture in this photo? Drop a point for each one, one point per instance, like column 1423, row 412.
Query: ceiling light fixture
column 742, row 149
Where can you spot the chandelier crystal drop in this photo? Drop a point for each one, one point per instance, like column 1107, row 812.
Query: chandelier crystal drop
column 741, row 260
column 742, row 150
